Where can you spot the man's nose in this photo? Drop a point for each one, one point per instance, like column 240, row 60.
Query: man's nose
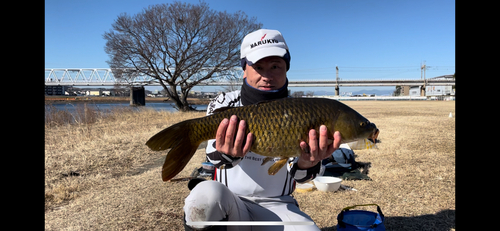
column 267, row 76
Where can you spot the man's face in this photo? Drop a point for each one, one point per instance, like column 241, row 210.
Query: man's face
column 267, row 74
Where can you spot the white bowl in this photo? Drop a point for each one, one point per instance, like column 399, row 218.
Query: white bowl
column 327, row 183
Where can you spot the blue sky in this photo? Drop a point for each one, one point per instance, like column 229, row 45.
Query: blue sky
column 367, row 39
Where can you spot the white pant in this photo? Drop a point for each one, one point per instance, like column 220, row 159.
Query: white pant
column 213, row 201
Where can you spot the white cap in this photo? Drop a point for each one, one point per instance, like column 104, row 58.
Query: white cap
column 262, row 43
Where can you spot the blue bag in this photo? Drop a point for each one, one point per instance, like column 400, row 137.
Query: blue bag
column 349, row 220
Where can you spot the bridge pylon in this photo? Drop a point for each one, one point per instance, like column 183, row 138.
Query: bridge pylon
column 137, row 96
column 337, row 88
column 422, row 89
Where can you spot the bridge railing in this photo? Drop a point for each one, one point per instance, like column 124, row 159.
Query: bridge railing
column 106, row 77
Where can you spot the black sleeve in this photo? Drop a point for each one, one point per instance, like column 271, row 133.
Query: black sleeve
column 218, row 159
column 303, row 175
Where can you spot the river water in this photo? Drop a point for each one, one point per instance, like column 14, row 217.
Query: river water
column 106, row 107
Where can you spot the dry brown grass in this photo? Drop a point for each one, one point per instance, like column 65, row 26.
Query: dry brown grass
column 119, row 184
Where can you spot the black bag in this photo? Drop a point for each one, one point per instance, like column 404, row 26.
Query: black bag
column 343, row 165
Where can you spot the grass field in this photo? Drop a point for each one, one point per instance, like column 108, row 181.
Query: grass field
column 100, row 175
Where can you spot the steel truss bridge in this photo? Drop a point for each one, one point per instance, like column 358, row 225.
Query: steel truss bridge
column 105, row 77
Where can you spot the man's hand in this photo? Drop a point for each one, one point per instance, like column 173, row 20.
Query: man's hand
column 318, row 149
column 227, row 143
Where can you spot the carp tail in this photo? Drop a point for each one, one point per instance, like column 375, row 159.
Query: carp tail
column 182, row 148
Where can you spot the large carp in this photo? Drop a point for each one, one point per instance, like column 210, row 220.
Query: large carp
column 278, row 127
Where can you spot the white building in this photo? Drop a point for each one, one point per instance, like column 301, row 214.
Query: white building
column 92, row 92
column 415, row 91
column 440, row 90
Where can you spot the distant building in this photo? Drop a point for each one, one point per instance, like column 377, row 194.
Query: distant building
column 209, row 95
column 194, row 94
column 93, row 92
column 429, row 90
column 440, row 90
column 405, row 90
column 55, row 90
column 410, row 90
column 415, row 91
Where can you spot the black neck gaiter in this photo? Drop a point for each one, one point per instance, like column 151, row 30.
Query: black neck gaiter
column 251, row 95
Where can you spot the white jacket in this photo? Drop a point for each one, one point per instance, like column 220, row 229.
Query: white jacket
column 245, row 176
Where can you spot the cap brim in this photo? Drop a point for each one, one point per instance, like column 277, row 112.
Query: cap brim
column 257, row 55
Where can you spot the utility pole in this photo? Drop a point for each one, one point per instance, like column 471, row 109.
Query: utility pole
column 423, row 68
column 337, row 82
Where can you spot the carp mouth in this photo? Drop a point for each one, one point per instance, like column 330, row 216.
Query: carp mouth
column 374, row 135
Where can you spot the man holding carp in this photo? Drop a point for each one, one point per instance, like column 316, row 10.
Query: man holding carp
column 242, row 189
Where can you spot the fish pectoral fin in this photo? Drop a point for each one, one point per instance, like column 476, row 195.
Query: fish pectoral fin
column 277, row 166
column 265, row 160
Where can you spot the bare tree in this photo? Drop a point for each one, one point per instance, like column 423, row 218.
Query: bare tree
column 298, row 94
column 397, row 91
column 178, row 44
column 235, row 85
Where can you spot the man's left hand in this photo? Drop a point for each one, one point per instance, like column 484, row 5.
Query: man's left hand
column 317, row 149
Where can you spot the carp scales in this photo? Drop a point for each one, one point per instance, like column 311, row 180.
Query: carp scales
column 277, row 126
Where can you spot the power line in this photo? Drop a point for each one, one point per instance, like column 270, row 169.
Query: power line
column 380, row 67
column 370, row 69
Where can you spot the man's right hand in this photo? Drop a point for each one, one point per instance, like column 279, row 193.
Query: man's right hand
column 227, row 143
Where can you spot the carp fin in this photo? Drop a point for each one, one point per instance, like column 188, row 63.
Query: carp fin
column 265, row 160
column 175, row 137
column 277, row 166
column 177, row 158
column 168, row 137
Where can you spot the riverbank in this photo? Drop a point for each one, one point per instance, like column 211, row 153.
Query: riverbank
column 101, row 176
column 110, row 99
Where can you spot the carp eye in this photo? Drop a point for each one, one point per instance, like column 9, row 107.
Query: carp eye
column 362, row 124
